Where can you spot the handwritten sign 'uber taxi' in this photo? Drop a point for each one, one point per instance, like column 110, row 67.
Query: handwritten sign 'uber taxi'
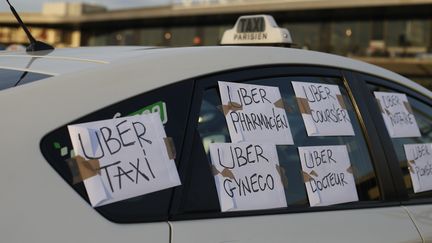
column 247, row 176
column 255, row 113
column 419, row 157
column 397, row 114
column 122, row 158
column 323, row 109
column 327, row 174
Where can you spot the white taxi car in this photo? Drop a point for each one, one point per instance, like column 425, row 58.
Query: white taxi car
column 44, row 92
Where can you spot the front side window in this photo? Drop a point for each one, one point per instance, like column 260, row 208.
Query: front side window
column 422, row 113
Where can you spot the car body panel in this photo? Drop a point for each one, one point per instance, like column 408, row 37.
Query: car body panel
column 364, row 225
column 422, row 216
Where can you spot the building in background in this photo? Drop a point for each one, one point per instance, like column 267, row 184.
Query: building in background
column 392, row 33
column 48, row 25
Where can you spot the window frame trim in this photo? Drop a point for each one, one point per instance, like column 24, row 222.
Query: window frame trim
column 385, row 138
column 388, row 194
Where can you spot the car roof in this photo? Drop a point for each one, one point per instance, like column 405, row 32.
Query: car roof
column 66, row 60
column 185, row 62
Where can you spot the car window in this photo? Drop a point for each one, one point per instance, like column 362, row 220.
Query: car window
column 423, row 116
column 173, row 107
column 212, row 128
column 11, row 78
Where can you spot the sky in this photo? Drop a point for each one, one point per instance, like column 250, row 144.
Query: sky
column 36, row 5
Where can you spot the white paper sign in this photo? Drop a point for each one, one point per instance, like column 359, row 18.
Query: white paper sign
column 132, row 156
column 323, row 109
column 328, row 175
column 419, row 157
column 247, row 176
column 255, row 113
column 397, row 115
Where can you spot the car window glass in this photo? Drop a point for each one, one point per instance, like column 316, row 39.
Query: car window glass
column 173, row 107
column 212, row 128
column 423, row 117
column 12, row 78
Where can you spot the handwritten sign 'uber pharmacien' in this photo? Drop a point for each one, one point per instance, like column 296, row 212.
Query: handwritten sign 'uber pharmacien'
column 323, row 109
column 122, row 158
column 419, row 157
column 247, row 176
column 255, row 113
column 327, row 174
column 397, row 114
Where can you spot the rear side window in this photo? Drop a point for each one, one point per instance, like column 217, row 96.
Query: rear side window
column 423, row 116
column 212, row 128
column 12, row 78
column 173, row 107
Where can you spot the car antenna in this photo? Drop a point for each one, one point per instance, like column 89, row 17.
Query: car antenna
column 35, row 45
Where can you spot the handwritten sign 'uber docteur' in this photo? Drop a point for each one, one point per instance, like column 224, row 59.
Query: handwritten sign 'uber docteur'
column 247, row 176
column 255, row 113
column 419, row 157
column 128, row 157
column 397, row 114
column 323, row 109
column 327, row 174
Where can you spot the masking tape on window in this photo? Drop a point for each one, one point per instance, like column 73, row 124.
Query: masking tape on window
column 225, row 172
column 82, row 169
column 408, row 107
column 410, row 166
column 303, row 105
column 170, row 147
column 280, row 103
column 341, row 101
column 282, row 175
column 308, row 176
column 350, row 169
column 231, row 106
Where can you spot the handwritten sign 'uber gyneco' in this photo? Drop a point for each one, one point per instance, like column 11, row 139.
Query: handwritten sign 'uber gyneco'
column 247, row 176
column 255, row 113
column 397, row 114
column 323, row 109
column 327, row 174
column 419, row 157
column 128, row 154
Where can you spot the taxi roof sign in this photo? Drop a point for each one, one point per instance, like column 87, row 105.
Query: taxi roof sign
column 256, row 30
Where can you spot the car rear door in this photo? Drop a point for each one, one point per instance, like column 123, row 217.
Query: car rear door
column 375, row 217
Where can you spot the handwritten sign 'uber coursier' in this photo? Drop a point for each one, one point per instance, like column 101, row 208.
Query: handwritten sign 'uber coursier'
column 247, row 176
column 323, row 109
column 397, row 114
column 122, row 158
column 255, row 113
column 419, row 157
column 327, row 174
